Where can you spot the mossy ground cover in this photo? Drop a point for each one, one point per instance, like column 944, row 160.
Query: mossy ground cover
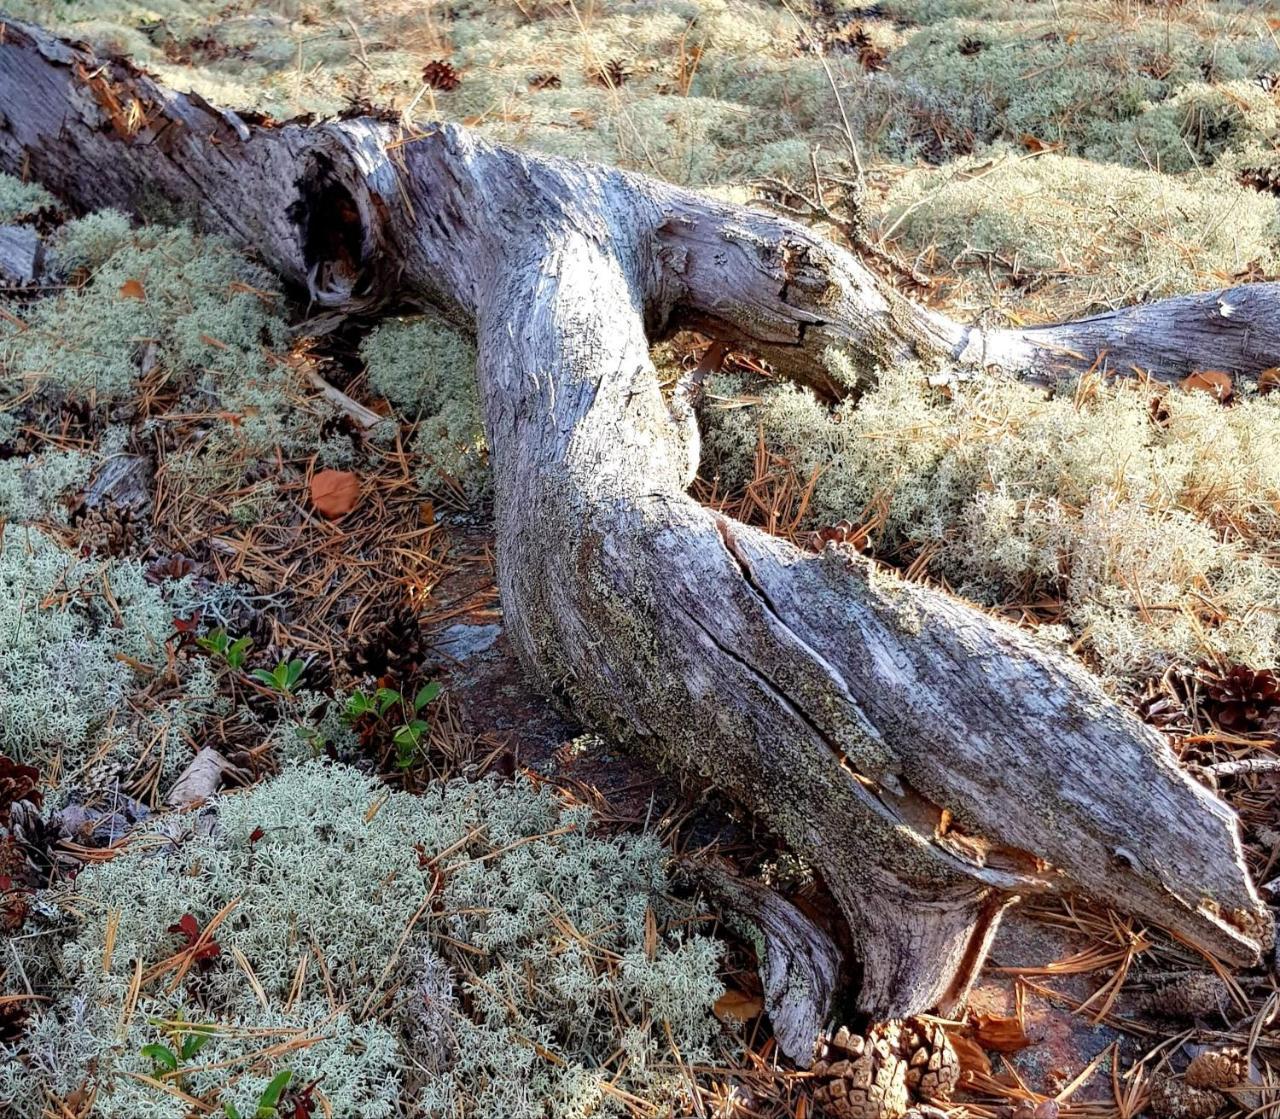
column 1030, row 160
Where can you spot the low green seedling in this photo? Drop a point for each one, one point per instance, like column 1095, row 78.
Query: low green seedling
column 401, row 716
column 267, row 1102
column 166, row 1060
column 283, row 678
column 219, row 643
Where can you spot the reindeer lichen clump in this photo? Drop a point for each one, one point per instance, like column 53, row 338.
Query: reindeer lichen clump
column 1105, row 499
column 475, row 947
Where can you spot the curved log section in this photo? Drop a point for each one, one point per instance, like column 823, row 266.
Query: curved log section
column 932, row 763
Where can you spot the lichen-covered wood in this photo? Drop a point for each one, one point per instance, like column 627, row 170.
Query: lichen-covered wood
column 931, row 763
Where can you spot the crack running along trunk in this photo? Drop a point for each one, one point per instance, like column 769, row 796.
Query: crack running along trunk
column 931, row 762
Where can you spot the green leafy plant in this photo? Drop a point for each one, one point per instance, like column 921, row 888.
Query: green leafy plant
column 390, row 711
column 283, row 678
column 267, row 1102
column 166, row 1060
column 219, row 643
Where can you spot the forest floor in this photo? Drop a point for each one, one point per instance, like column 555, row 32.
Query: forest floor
column 227, row 537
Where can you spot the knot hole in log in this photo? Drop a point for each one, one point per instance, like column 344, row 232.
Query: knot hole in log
column 337, row 234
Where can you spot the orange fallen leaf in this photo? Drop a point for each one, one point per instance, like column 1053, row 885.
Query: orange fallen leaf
column 1212, row 381
column 133, row 289
column 737, row 1006
column 1269, row 381
column 1034, row 144
column 335, row 493
column 1004, row 1035
column 973, row 1061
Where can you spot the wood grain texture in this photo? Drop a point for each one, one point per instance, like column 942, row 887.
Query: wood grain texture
column 930, row 762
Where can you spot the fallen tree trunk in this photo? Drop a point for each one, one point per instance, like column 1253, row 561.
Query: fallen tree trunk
column 932, row 763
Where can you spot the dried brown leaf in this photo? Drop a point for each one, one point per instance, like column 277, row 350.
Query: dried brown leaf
column 334, row 493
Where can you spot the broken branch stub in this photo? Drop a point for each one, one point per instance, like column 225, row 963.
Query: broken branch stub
column 931, row 762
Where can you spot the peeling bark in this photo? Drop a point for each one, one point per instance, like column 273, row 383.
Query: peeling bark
column 932, row 763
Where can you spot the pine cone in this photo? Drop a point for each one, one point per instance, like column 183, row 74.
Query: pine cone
column 13, row 1019
column 1175, row 1099
column 545, row 81
column 36, row 838
column 76, row 417
column 613, row 74
column 441, row 75
column 174, row 566
column 1197, row 995
column 875, row 1076
column 14, row 892
column 111, row 529
column 1244, row 699
column 933, row 1068
column 852, row 38
column 393, row 647
column 1265, row 179
column 18, row 783
column 1217, row 1068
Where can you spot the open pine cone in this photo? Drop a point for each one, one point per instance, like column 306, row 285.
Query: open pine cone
column 1176, row 1099
column 1244, row 699
column 111, row 529
column 878, row 1075
column 393, row 647
column 1218, row 1068
column 1195, row 995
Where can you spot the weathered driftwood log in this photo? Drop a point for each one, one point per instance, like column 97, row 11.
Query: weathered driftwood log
column 931, row 762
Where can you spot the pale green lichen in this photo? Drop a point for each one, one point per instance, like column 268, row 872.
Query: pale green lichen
column 31, row 487
column 1070, row 235
column 377, row 890
column 1153, row 535
column 428, row 371
column 19, row 200
column 67, row 622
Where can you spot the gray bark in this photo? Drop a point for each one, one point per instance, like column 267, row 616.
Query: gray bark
column 21, row 255
column 800, row 964
column 931, row 762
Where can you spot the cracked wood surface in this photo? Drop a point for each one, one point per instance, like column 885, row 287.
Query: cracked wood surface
column 931, row 762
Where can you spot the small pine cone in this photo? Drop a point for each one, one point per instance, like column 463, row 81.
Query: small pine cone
column 441, row 75
column 18, row 784
column 1217, row 1068
column 861, row 1077
column 933, row 1068
column 390, row 648
column 877, row 1076
column 1175, row 1099
column 1197, row 995
column 548, row 80
column 612, row 74
column 1242, row 698
column 13, row 1020
column 111, row 529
